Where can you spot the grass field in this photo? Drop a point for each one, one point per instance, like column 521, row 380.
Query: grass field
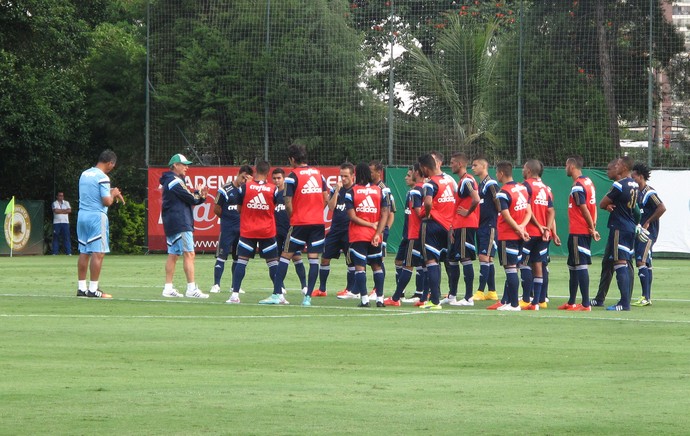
column 142, row 364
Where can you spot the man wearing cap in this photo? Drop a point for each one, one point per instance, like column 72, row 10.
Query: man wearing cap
column 178, row 224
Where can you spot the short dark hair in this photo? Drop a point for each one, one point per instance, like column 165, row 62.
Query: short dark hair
column 627, row 162
column 347, row 166
column 362, row 174
column 262, row 167
column 377, row 164
column 642, row 170
column 246, row 169
column 437, row 154
column 575, row 160
column 298, row 152
column 427, row 160
column 535, row 167
column 461, row 156
column 416, row 170
column 278, row 171
column 107, row 156
column 504, row 167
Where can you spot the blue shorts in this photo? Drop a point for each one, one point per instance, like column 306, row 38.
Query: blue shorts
column 268, row 247
column 335, row 242
column 643, row 251
column 310, row 236
column 280, row 241
column 621, row 245
column 463, row 245
column 535, row 250
column 579, row 252
column 227, row 243
column 180, row 243
column 434, row 241
column 362, row 253
column 93, row 233
column 410, row 252
column 486, row 241
column 509, row 252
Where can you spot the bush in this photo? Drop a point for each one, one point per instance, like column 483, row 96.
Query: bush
column 127, row 227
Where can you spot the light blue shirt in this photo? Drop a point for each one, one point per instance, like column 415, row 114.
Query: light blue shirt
column 94, row 185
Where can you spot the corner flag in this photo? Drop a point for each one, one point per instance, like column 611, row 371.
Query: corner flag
column 10, row 207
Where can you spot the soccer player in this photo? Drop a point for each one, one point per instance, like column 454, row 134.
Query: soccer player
column 305, row 197
column 465, row 224
column 582, row 228
column 376, row 169
column 178, row 224
column 439, row 211
column 486, row 233
column 651, row 209
column 257, row 228
column 367, row 207
column 95, row 196
column 283, row 225
column 337, row 237
column 620, row 202
column 514, row 215
column 226, row 208
column 535, row 251
column 409, row 254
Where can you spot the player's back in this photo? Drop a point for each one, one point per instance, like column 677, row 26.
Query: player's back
column 94, row 184
column 258, row 209
column 305, row 186
column 623, row 194
column 488, row 213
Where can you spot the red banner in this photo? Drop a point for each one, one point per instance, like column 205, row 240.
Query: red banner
column 206, row 224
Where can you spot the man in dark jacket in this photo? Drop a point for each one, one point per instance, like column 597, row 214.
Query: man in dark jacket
column 178, row 224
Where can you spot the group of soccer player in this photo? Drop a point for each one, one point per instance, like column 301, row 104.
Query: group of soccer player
column 447, row 222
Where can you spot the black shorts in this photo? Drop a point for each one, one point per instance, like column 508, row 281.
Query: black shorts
column 335, row 243
column 311, row 236
column 579, row 252
column 362, row 253
column 463, row 245
column 227, row 243
column 510, row 252
column 268, row 248
column 535, row 250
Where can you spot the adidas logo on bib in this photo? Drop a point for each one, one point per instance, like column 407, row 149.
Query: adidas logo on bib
column 311, row 187
column 447, row 196
column 258, row 202
column 367, row 206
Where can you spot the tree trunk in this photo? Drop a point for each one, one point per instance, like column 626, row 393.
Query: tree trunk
column 607, row 82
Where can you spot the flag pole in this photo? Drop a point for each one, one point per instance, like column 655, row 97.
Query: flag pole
column 10, row 209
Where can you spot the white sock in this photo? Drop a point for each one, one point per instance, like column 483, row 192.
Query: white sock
column 379, row 299
column 365, row 299
column 191, row 286
column 235, row 295
column 93, row 286
column 81, row 284
column 168, row 287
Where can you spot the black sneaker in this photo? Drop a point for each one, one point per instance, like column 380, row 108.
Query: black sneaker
column 363, row 304
column 380, row 304
column 98, row 294
column 81, row 293
column 596, row 303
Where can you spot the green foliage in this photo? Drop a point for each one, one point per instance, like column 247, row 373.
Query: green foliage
column 127, row 227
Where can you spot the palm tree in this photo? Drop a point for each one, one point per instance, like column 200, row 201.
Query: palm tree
column 452, row 83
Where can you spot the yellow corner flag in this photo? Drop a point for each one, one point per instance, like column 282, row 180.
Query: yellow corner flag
column 10, row 207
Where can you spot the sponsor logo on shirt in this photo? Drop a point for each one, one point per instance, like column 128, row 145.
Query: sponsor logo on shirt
column 258, row 202
column 542, row 199
column 367, row 206
column 447, row 196
column 312, row 186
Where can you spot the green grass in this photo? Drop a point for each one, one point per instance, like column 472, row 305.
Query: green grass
column 141, row 364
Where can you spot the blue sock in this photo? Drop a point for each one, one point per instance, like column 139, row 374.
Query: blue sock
column 545, row 285
column 650, row 277
column 491, row 281
column 238, row 275
column 583, row 280
column 512, row 286
column 281, row 272
column 379, row 277
column 324, row 271
column 398, row 268
column 623, row 280
column 642, row 273
column 272, row 269
column 218, row 271
column 313, row 275
column 301, row 273
column 420, row 275
column 538, row 282
column 433, row 276
column 484, row 268
column 360, row 283
column 527, row 283
column 453, row 271
column 572, row 284
column 350, row 278
column 404, row 278
column 468, row 276
column 505, row 299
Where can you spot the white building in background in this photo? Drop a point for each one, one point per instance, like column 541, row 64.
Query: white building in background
column 680, row 16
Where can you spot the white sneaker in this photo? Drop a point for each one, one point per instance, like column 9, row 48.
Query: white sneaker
column 283, row 290
column 233, row 299
column 450, row 299
column 304, row 290
column 410, row 300
column 283, row 300
column 215, row 289
column 196, row 293
column 172, row 293
column 462, row 302
column 509, row 308
column 241, row 291
column 347, row 296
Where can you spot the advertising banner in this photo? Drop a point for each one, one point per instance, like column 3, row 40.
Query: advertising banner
column 23, row 229
column 206, row 224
